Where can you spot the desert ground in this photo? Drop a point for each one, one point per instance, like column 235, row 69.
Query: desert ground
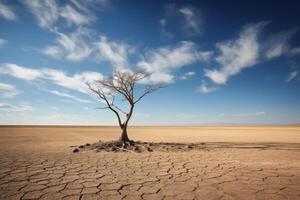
column 255, row 162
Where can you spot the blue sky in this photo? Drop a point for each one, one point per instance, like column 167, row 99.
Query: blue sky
column 223, row 63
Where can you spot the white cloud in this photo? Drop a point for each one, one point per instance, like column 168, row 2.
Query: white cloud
column 6, row 12
column 5, row 86
column 53, row 51
column 205, row 89
column 88, row 5
column 237, row 54
column 75, row 82
column 46, row 11
column 187, row 75
column 8, row 90
column 291, row 76
column 247, row 50
column 73, row 47
column 190, row 73
column 72, row 16
column 20, row 72
column 188, row 18
column 49, row 12
column 113, row 52
column 57, row 77
column 15, row 108
column 66, row 95
column 278, row 44
column 82, row 44
column 161, row 62
column 193, row 20
column 2, row 42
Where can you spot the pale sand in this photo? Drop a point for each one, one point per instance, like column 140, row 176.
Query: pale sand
column 37, row 163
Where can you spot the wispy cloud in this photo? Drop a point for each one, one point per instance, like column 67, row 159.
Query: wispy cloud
column 46, row 11
column 5, row 86
column 193, row 20
column 187, row 75
column 162, row 61
column 8, row 90
column 113, row 52
column 204, row 88
column 292, row 75
column 189, row 18
column 73, row 47
column 237, row 54
column 66, row 95
column 15, row 108
column 278, row 44
column 53, row 51
column 72, row 16
column 6, row 12
column 49, row 12
column 75, row 82
column 88, row 5
column 20, row 72
column 247, row 50
column 85, row 44
column 57, row 77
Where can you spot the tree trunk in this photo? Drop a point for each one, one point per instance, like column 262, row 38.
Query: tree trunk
column 124, row 136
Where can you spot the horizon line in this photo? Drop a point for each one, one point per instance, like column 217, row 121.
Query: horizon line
column 151, row 125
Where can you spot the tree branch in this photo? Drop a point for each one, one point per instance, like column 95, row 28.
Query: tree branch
column 123, row 83
column 149, row 90
column 102, row 96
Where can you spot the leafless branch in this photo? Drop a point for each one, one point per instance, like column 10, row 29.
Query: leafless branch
column 125, row 84
column 101, row 95
column 148, row 90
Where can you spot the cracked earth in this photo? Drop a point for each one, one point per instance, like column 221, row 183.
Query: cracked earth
column 32, row 170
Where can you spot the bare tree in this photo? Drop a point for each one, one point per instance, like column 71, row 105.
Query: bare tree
column 122, row 84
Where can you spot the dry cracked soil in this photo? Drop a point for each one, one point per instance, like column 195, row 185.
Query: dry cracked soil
column 39, row 167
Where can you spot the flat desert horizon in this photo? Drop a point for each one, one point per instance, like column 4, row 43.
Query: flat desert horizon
column 234, row 162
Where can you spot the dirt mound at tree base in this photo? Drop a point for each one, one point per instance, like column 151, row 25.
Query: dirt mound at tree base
column 137, row 146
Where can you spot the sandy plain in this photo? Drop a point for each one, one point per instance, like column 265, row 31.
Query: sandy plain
column 36, row 162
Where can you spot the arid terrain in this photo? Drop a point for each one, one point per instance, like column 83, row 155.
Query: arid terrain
column 235, row 163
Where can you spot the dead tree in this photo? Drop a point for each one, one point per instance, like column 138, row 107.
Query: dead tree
column 122, row 84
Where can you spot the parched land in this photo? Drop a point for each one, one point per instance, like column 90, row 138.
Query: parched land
column 228, row 163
